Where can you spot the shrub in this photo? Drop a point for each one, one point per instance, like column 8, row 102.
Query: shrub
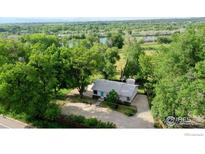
column 47, row 124
column 112, row 99
column 164, row 40
column 74, row 121
column 52, row 112
column 94, row 123
column 128, row 110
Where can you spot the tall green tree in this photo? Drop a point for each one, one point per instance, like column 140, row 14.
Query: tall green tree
column 147, row 67
column 12, row 51
column 40, row 41
column 83, row 64
column 115, row 40
column 44, row 65
column 21, row 91
column 132, row 52
column 106, row 58
column 179, row 72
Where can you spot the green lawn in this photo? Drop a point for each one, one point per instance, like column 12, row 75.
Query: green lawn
column 61, row 94
column 141, row 90
column 128, row 110
column 76, row 99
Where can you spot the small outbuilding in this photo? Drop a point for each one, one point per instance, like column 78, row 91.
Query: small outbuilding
column 126, row 91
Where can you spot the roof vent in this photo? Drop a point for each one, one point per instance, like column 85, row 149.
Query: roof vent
column 130, row 81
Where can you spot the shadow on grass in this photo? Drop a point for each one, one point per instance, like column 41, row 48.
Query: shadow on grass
column 77, row 99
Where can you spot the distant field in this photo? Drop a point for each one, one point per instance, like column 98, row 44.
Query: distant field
column 152, row 47
column 149, row 49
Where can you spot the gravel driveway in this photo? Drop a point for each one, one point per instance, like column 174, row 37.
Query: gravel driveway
column 143, row 118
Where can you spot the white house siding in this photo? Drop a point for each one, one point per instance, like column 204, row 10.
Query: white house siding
column 122, row 98
column 134, row 94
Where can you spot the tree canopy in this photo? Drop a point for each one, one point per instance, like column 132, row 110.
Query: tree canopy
column 180, row 76
column 132, row 52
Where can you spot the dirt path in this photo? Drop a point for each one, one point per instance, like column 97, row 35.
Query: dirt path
column 143, row 119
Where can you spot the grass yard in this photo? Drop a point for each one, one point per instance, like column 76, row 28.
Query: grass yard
column 141, row 90
column 76, row 99
column 128, row 110
column 62, row 94
column 153, row 45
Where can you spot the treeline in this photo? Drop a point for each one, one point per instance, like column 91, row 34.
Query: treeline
column 180, row 72
column 35, row 67
column 173, row 77
column 100, row 28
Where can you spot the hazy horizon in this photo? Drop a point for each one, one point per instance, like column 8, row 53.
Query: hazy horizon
column 13, row 20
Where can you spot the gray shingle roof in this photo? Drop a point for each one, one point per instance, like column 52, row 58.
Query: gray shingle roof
column 123, row 89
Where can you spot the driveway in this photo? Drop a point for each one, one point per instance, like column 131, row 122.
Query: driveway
column 6, row 122
column 143, row 118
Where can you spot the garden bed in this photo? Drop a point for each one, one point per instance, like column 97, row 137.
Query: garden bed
column 77, row 99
